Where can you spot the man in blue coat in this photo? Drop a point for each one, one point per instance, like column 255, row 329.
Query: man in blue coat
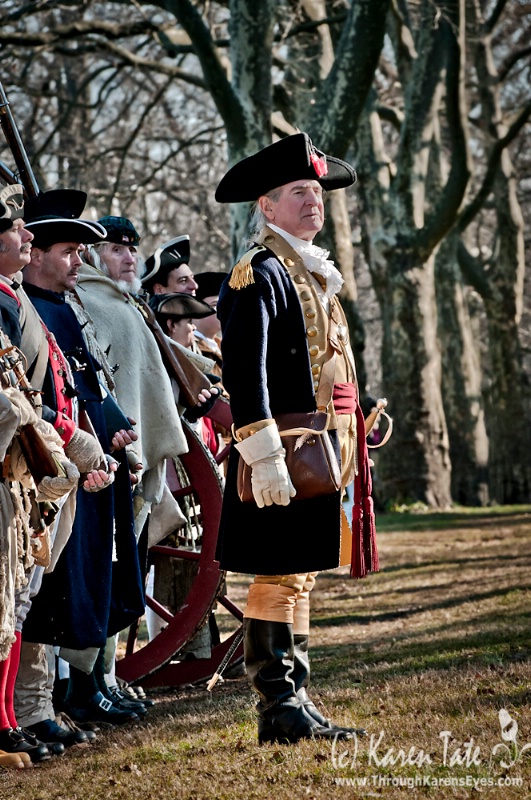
column 285, row 350
column 95, row 587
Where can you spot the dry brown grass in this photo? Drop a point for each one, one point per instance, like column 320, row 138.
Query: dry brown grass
column 437, row 641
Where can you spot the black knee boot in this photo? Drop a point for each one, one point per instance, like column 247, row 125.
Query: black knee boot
column 301, row 679
column 269, row 661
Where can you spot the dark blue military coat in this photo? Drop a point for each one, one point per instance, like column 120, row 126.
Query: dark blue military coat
column 266, row 370
column 88, row 596
column 9, row 317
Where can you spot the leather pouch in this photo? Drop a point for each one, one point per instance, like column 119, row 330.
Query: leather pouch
column 310, row 457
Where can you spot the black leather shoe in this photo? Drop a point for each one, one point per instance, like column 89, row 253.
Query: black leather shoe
column 124, row 703
column 54, row 748
column 99, row 709
column 136, row 693
column 48, row 731
column 12, row 740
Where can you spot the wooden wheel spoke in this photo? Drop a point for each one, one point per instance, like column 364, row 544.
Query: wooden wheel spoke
column 162, row 611
column 224, row 601
column 156, row 663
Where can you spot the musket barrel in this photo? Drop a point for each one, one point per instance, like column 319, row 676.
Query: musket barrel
column 9, row 127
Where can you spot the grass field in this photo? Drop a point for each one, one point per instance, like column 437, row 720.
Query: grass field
column 432, row 656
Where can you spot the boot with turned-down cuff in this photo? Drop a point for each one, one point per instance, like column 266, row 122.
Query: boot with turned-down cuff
column 269, row 661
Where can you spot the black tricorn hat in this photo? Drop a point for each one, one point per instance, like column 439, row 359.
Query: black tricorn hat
column 11, row 205
column 290, row 159
column 65, row 203
column 167, row 257
column 52, row 217
column 208, row 283
column 179, row 304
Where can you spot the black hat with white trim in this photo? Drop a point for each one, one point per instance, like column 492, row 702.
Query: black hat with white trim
column 53, row 217
column 166, row 258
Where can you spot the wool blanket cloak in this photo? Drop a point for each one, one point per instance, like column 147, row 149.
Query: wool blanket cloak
column 142, row 384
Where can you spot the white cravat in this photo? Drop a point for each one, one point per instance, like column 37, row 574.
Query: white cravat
column 316, row 260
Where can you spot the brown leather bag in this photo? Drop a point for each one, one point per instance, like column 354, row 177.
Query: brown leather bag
column 310, row 458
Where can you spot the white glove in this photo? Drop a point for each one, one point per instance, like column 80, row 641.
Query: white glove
column 85, row 451
column 270, row 480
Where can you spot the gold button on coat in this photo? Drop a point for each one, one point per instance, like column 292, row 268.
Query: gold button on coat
column 314, row 350
column 304, row 295
column 269, row 239
column 298, row 278
column 289, row 262
column 311, row 313
column 316, row 369
column 311, row 331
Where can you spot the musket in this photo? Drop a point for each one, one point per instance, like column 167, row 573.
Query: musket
column 189, row 378
column 12, row 136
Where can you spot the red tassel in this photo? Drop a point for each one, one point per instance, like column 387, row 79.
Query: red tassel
column 357, row 564
column 369, row 536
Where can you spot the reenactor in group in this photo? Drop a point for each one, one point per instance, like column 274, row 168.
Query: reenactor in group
column 167, row 270
column 94, row 590
column 34, row 469
column 286, row 352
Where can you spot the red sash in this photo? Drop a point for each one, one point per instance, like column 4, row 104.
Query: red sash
column 364, row 550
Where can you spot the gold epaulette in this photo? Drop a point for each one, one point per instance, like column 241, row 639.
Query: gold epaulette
column 242, row 273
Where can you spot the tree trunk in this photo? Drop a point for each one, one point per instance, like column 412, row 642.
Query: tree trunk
column 508, row 395
column 416, row 466
column 461, row 382
column 500, row 282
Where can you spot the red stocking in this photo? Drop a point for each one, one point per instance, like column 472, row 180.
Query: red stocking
column 14, row 662
column 4, row 669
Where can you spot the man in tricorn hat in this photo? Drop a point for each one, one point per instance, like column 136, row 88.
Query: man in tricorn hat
column 281, row 319
column 94, row 589
column 167, row 270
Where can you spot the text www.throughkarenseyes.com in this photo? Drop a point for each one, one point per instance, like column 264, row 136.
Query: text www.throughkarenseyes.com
column 412, row 781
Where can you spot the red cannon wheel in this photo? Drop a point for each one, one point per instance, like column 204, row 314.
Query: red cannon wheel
column 156, row 663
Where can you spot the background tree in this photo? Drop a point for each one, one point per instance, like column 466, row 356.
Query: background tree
column 142, row 103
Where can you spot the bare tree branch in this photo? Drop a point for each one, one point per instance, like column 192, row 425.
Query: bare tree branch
column 447, row 207
column 147, row 63
column 473, row 271
column 111, row 30
column 343, row 93
column 497, row 11
column 478, row 202
column 510, row 62
column 390, row 114
column 215, row 76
